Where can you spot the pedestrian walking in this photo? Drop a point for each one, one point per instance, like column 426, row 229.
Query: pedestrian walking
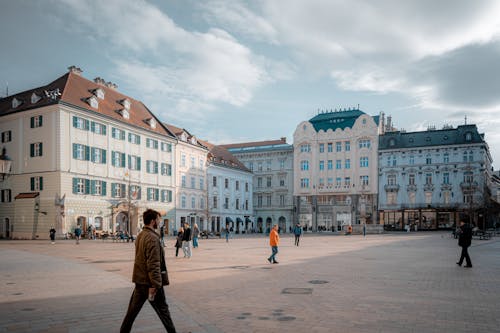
column 196, row 234
column 78, row 233
column 186, row 241
column 52, row 233
column 178, row 242
column 464, row 241
column 227, row 232
column 274, row 241
column 162, row 234
column 149, row 275
column 297, row 231
column 364, row 229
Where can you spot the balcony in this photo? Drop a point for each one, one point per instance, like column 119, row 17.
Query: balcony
column 391, row 187
column 469, row 186
column 411, row 188
column 428, row 187
column 446, row 187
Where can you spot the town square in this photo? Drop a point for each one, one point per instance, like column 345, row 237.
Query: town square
column 399, row 282
column 249, row 166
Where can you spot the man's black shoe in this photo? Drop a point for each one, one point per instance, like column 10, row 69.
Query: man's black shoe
column 459, row 264
column 468, row 266
column 269, row 260
column 275, row 262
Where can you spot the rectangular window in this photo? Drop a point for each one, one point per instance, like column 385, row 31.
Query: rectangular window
column 36, row 149
column 166, row 147
column 117, row 134
column 81, row 186
column 246, row 187
column 347, row 145
column 282, row 181
column 338, row 146
column 98, row 155
column 183, row 201
column 282, row 200
column 36, row 183
column 446, row 178
column 321, row 147
column 268, row 165
column 214, row 181
column 166, row 169
column 202, row 184
column 282, row 164
column 153, row 194
column 411, row 179
column 338, row 182
column 338, row 164
column 321, row 182
column 268, row 200
column 330, row 181
column 118, row 190
column 321, row 165
column 81, row 123
column 166, row 196
column 237, row 185
column 237, row 204
column 268, row 183
column 7, row 136
column 305, row 148
column 226, row 183
column 347, row 163
column 304, row 165
column 118, row 159
column 201, row 163
column 6, row 195
column 226, row 203
column 347, row 182
column 193, row 182
column 151, row 166
column 98, row 187
column 193, row 202
column 259, row 200
column 193, row 162
column 428, row 160
column 98, row 128
column 36, row 121
column 214, row 200
column 151, row 143
column 183, row 180
column 330, row 165
column 246, row 204
column 391, row 180
column 363, row 162
column 134, row 162
column 304, row 182
column 134, row 138
column 412, row 160
column 364, row 180
column 330, row 147
column 259, row 182
column 428, row 178
column 364, row 144
column 183, row 160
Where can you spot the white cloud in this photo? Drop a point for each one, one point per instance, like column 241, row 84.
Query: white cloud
column 206, row 66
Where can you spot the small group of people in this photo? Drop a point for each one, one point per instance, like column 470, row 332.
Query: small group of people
column 184, row 237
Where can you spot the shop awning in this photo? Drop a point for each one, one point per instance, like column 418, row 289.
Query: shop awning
column 239, row 220
column 229, row 220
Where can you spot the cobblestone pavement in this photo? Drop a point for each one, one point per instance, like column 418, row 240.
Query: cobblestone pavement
column 382, row 283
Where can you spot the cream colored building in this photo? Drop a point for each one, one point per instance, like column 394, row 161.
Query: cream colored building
column 191, row 186
column 335, row 170
column 103, row 155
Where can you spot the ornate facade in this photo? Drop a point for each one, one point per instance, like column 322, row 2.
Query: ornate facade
column 335, row 170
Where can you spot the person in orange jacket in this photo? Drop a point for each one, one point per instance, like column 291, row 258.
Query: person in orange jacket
column 274, row 241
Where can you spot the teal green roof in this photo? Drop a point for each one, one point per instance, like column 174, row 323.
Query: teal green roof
column 337, row 119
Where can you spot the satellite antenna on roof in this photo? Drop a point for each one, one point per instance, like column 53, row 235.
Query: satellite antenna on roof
column 465, row 119
column 6, row 89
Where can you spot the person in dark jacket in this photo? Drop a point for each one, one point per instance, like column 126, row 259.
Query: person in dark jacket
column 186, row 241
column 464, row 241
column 297, row 231
column 52, row 233
column 178, row 242
column 149, row 275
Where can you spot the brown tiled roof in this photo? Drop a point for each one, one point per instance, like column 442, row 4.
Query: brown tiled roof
column 220, row 155
column 255, row 144
column 75, row 90
column 177, row 131
column 27, row 195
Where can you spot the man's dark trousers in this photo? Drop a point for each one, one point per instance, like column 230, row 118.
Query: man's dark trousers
column 465, row 254
column 139, row 296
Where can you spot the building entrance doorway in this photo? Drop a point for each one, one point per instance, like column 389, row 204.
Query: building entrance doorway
column 122, row 222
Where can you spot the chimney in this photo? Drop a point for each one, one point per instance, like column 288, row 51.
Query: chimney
column 283, row 139
column 74, row 69
column 100, row 81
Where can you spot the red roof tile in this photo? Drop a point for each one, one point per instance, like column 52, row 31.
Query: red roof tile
column 220, row 155
column 255, row 144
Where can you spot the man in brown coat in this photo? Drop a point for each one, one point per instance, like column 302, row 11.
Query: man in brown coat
column 149, row 275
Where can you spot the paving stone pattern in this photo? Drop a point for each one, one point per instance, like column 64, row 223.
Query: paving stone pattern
column 380, row 283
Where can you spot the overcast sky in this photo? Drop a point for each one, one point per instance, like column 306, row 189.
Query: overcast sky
column 232, row 71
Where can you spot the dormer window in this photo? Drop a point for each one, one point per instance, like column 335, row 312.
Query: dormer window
column 151, row 122
column 93, row 102
column 99, row 93
column 184, row 137
column 35, row 98
column 125, row 114
column 16, row 102
column 468, row 135
column 193, row 140
column 126, row 103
